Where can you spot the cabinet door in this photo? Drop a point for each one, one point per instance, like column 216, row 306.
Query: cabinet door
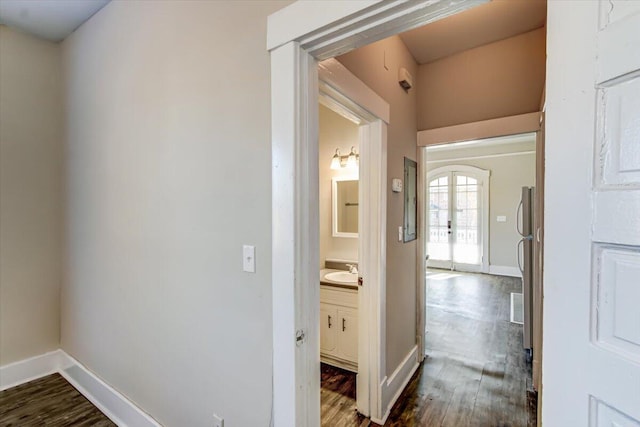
column 328, row 328
column 348, row 334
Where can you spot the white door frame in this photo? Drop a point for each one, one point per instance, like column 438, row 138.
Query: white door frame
column 297, row 37
column 421, row 262
column 339, row 89
column 483, row 176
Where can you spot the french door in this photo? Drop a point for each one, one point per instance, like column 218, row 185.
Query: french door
column 457, row 218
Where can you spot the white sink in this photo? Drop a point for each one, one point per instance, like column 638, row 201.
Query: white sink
column 342, row 277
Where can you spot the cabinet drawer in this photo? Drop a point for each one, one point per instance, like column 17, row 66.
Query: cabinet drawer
column 339, row 296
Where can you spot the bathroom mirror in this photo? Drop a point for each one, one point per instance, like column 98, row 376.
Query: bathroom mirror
column 344, row 197
column 410, row 200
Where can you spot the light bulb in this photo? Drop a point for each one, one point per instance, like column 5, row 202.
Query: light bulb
column 335, row 161
column 352, row 160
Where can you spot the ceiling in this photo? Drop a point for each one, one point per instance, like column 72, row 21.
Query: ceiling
column 50, row 19
column 488, row 23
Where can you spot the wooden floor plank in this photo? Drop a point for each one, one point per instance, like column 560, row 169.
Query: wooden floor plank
column 464, row 383
column 49, row 401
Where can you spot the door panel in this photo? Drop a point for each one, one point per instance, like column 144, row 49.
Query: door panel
column 467, row 247
column 591, row 365
column 438, row 240
column 615, row 316
column 618, row 295
column 604, row 415
column 348, row 334
column 328, row 328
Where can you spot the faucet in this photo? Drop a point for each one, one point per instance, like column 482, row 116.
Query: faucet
column 353, row 269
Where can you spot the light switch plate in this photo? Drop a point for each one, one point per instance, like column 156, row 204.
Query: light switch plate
column 249, row 258
column 501, row 218
column 400, row 233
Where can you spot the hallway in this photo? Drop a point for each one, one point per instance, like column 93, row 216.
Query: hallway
column 475, row 373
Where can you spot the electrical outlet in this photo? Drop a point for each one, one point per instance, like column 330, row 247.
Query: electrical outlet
column 218, row 421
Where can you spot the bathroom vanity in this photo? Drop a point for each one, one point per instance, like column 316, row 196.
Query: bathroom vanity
column 339, row 321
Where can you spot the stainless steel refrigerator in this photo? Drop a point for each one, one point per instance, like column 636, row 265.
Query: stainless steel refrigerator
column 525, row 259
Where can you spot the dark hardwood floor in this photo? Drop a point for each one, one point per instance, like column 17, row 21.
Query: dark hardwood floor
column 475, row 373
column 49, row 401
column 338, row 398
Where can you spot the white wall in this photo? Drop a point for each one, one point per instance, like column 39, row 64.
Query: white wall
column 377, row 66
column 30, row 196
column 169, row 159
column 334, row 132
column 508, row 175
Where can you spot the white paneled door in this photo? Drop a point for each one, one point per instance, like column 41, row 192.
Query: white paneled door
column 591, row 364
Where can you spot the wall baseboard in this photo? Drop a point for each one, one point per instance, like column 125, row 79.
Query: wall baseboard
column 396, row 383
column 30, row 369
column 502, row 270
column 113, row 404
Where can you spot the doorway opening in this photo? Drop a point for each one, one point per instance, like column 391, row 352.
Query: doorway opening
column 293, row 94
column 592, row 76
column 352, row 227
column 480, row 326
column 339, row 235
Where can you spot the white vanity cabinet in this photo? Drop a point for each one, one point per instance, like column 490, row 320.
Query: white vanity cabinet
column 339, row 327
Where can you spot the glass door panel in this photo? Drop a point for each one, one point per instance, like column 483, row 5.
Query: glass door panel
column 438, row 238
column 466, row 242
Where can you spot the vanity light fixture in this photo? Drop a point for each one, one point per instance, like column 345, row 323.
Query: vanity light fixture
column 351, row 161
